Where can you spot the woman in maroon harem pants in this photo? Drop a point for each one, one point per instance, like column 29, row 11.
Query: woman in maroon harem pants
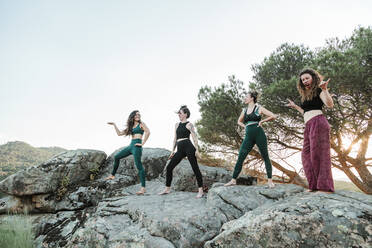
column 316, row 158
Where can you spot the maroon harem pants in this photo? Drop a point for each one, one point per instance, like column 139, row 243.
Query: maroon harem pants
column 316, row 157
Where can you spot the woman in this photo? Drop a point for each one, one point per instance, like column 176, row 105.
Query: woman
column 316, row 159
column 183, row 129
column 254, row 134
column 135, row 128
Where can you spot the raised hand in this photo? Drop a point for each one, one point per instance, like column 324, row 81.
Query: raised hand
column 323, row 85
column 290, row 103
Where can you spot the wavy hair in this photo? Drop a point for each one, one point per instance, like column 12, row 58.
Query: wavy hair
column 312, row 92
column 130, row 122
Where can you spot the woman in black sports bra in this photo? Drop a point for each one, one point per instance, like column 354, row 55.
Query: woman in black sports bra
column 251, row 120
column 185, row 148
column 316, row 156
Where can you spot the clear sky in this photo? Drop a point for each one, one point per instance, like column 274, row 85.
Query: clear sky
column 68, row 67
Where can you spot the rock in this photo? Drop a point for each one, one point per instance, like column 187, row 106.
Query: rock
column 85, row 210
column 67, row 168
column 153, row 159
column 184, row 178
column 235, row 201
column 304, row 220
column 12, row 204
column 174, row 220
column 55, row 230
column 65, row 181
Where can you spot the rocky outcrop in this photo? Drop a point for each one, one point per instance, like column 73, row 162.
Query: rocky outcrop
column 94, row 212
column 305, row 220
column 68, row 168
column 74, row 180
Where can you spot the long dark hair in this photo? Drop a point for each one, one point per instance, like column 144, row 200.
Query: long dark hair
column 186, row 110
column 130, row 122
column 309, row 94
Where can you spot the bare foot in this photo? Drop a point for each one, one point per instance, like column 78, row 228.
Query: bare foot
column 311, row 190
column 164, row 192
column 141, row 192
column 231, row 183
column 110, row 177
column 271, row 185
column 200, row 195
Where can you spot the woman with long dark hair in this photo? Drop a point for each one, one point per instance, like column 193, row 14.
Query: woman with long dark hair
column 185, row 148
column 250, row 119
column 136, row 128
column 316, row 158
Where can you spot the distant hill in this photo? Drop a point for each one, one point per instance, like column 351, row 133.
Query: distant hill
column 18, row 155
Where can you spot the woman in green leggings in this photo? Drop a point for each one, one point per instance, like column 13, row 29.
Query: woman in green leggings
column 251, row 120
column 135, row 128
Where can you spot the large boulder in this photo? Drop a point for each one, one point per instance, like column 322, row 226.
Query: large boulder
column 304, row 220
column 235, row 201
column 75, row 180
column 153, row 161
column 174, row 220
column 67, row 168
column 184, row 178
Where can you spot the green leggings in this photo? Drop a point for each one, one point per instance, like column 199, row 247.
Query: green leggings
column 137, row 153
column 253, row 135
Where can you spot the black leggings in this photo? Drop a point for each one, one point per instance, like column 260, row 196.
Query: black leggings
column 184, row 148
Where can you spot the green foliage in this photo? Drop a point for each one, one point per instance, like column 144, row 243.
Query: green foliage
column 218, row 126
column 16, row 232
column 93, row 173
column 15, row 156
column 61, row 191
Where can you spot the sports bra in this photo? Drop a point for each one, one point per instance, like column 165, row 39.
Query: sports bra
column 314, row 104
column 137, row 130
column 252, row 117
column 182, row 132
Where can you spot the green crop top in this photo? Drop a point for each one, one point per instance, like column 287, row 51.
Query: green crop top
column 137, row 130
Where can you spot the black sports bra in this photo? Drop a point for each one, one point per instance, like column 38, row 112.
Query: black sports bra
column 314, row 104
column 182, row 131
column 254, row 116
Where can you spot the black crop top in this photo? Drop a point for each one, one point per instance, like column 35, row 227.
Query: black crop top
column 314, row 104
column 254, row 116
column 182, row 132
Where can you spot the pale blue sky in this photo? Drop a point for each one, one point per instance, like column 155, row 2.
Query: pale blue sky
column 68, row 67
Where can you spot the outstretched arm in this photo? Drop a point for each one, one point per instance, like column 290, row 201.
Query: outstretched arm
column 120, row 133
column 270, row 115
column 291, row 104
